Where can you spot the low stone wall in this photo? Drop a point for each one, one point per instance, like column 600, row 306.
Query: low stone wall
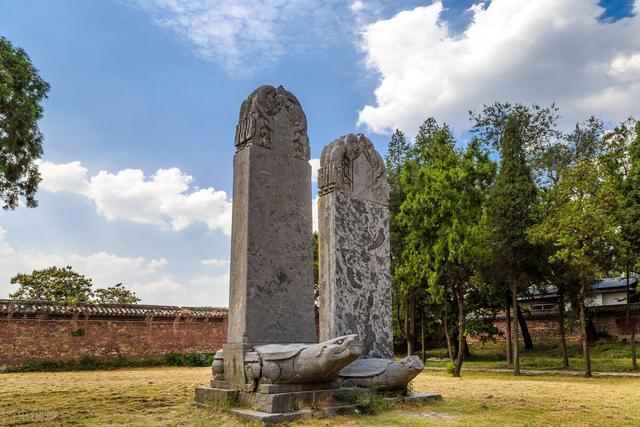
column 47, row 332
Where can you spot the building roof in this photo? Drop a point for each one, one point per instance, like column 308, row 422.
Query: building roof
column 614, row 283
column 608, row 284
column 115, row 310
column 592, row 310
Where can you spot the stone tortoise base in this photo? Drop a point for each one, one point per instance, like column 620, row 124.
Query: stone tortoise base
column 279, row 403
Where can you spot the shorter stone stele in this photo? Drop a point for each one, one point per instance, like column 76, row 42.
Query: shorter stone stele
column 381, row 374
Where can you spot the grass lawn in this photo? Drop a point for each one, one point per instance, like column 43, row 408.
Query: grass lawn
column 606, row 356
column 164, row 396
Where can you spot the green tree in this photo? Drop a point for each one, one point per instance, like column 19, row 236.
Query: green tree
column 445, row 190
column 583, row 143
column 631, row 221
column 116, row 294
column 21, row 93
column 509, row 216
column 53, row 284
column 537, row 125
column 538, row 131
column 579, row 223
column 402, row 288
column 66, row 286
column 622, row 161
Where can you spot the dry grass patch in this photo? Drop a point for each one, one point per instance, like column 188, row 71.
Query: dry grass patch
column 164, row 397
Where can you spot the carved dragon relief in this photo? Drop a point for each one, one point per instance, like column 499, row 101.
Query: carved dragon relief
column 336, row 166
column 255, row 124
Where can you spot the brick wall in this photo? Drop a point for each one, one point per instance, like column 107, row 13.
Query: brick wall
column 543, row 328
column 606, row 321
column 41, row 336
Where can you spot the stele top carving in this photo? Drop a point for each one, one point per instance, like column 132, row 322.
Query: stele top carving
column 256, row 122
column 351, row 164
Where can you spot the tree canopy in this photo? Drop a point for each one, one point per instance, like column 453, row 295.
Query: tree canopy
column 21, row 93
column 62, row 284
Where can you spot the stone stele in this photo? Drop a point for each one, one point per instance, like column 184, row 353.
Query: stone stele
column 271, row 297
column 353, row 237
column 355, row 281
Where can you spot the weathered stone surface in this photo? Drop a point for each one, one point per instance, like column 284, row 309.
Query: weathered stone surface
column 217, row 366
column 381, row 374
column 355, row 280
column 271, row 295
column 278, row 402
column 351, row 164
column 295, row 364
column 271, row 273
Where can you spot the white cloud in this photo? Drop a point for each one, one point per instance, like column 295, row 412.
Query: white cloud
column 513, row 50
column 357, row 6
column 165, row 198
column 243, row 36
column 315, row 165
column 213, row 281
column 146, row 277
column 70, row 176
column 215, row 262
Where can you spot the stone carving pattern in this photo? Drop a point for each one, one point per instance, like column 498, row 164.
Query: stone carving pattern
column 255, row 124
column 295, row 363
column 362, row 274
column 336, row 172
column 381, row 374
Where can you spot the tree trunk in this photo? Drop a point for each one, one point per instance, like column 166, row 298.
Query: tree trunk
column 563, row 338
column 446, row 326
column 516, row 352
column 583, row 333
column 424, row 353
column 410, row 324
column 461, row 325
column 508, row 331
column 634, row 360
column 526, row 337
column 399, row 319
column 465, row 348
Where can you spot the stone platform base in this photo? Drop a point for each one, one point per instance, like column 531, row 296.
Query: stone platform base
column 421, row 397
column 267, row 418
column 278, row 403
column 294, row 405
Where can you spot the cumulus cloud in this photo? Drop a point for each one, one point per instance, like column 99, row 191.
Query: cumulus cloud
column 242, row 36
column 513, row 50
column 164, row 198
column 148, row 278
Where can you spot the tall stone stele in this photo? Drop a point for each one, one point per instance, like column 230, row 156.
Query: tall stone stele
column 353, row 237
column 271, row 285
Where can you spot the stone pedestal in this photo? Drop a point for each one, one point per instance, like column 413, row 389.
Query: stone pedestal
column 280, row 406
column 353, row 237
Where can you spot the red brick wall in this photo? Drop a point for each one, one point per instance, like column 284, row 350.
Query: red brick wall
column 546, row 328
column 48, row 338
column 543, row 329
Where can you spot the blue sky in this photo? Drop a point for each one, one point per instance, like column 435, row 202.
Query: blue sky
column 145, row 96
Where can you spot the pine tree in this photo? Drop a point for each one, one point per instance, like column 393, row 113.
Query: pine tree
column 509, row 217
